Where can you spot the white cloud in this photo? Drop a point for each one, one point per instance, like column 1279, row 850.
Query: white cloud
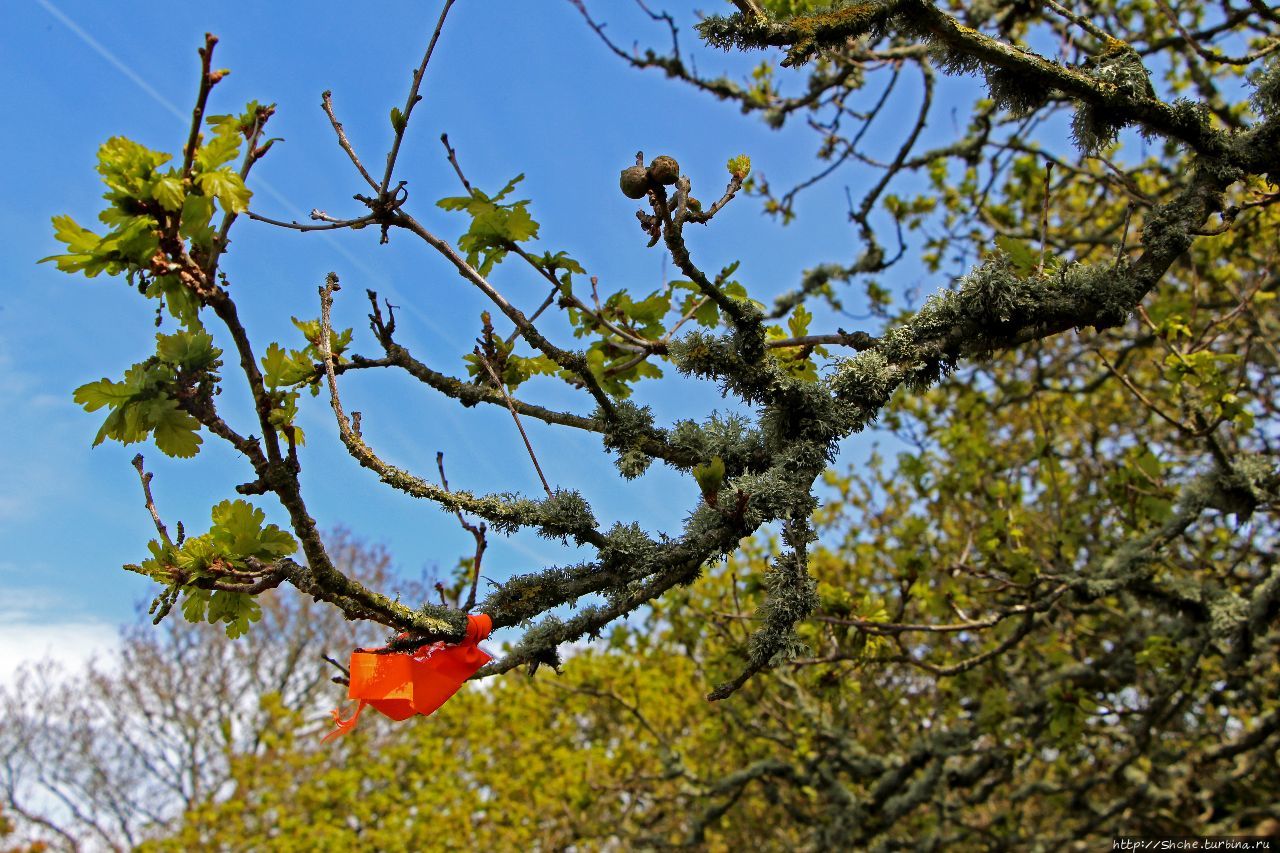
column 68, row 643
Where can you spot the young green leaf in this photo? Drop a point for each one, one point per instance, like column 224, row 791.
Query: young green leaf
column 281, row 367
column 168, row 191
column 104, row 392
column 83, row 243
column 175, row 430
column 194, row 603
column 1023, row 257
column 228, row 188
column 238, row 531
column 710, row 477
column 218, row 151
column 188, row 350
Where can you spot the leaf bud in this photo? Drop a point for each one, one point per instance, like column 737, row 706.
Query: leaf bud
column 740, row 167
column 710, row 477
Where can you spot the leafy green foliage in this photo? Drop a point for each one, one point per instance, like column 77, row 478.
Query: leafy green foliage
column 146, row 201
column 513, row 370
column 495, row 225
column 281, row 367
column 154, row 397
column 227, row 188
column 238, row 534
column 213, row 174
column 797, row 360
column 284, row 370
column 237, row 610
column 338, row 341
column 1021, row 256
column 189, row 351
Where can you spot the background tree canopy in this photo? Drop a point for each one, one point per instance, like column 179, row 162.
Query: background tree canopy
column 1041, row 611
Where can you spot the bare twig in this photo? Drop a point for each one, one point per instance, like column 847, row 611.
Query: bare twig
column 151, row 504
column 1124, row 234
column 497, row 383
column 339, row 666
column 208, row 79
column 413, row 99
column 1044, row 215
column 326, row 103
column 546, row 303
column 476, row 531
column 333, row 225
column 1080, row 21
column 453, row 161
column 1210, row 54
column 397, row 478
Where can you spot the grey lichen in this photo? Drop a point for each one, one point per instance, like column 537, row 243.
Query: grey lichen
column 868, row 379
column 993, row 307
column 1251, row 480
column 565, row 514
column 1096, row 125
column 1265, row 97
column 1015, row 92
column 624, row 434
column 805, row 35
column 1227, row 612
column 791, row 595
column 630, row 551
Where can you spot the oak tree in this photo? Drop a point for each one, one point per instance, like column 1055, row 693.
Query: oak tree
column 1054, row 612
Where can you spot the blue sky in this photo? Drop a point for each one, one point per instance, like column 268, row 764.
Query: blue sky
column 519, row 87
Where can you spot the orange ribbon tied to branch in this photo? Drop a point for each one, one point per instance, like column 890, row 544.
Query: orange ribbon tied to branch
column 401, row 684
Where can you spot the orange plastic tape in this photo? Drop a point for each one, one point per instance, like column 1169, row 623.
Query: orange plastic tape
column 402, row 684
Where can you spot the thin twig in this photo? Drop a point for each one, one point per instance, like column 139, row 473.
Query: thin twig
column 890, row 628
column 512, row 409
column 151, row 504
column 572, row 362
column 1211, row 54
column 252, row 155
column 688, row 315
column 730, row 190
column 628, row 339
column 340, row 667
column 333, row 225
column 345, row 678
column 326, row 103
column 1080, row 21
column 477, row 532
column 546, row 303
column 1044, row 216
column 207, row 81
column 1143, row 399
column 1124, row 234
column 500, row 510
column 856, row 340
column 412, row 99
column 453, row 161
